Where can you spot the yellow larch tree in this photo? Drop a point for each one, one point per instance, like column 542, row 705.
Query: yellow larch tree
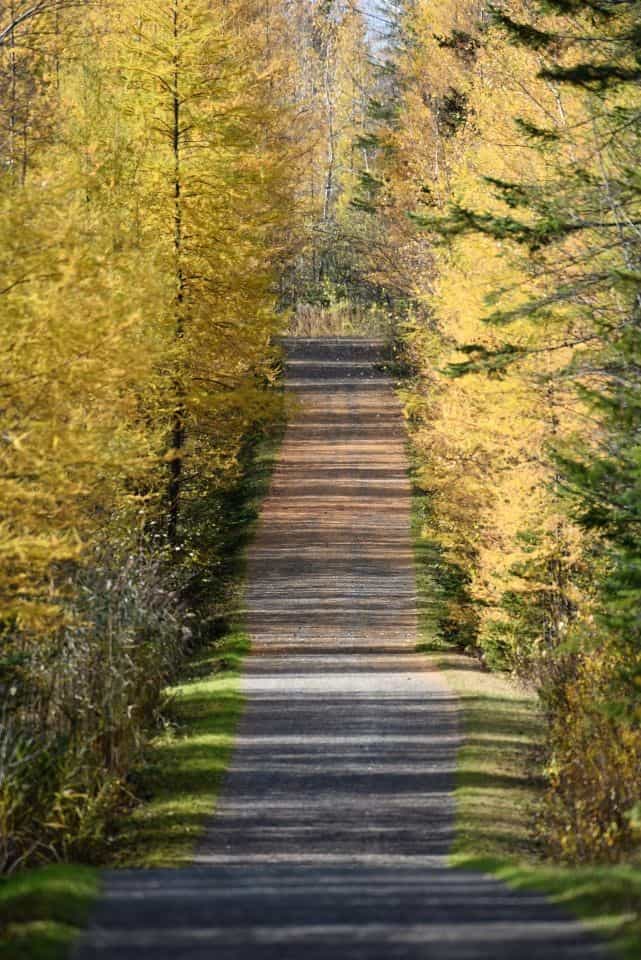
column 139, row 251
column 483, row 439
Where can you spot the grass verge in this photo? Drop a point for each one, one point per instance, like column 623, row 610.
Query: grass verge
column 499, row 782
column 43, row 910
column 185, row 764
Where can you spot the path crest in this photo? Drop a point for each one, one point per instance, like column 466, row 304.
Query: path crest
column 332, row 830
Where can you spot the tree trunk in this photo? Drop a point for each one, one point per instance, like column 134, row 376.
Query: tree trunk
column 178, row 416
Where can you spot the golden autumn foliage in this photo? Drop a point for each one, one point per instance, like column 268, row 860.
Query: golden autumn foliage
column 148, row 202
column 592, row 807
column 510, row 196
column 178, row 180
column 483, row 439
column 137, row 262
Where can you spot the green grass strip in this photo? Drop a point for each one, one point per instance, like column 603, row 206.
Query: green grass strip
column 43, row 910
column 186, row 763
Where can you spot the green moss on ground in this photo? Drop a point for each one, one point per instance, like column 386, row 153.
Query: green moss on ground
column 499, row 783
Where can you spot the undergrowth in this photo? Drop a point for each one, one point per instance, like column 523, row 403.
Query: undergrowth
column 171, row 790
column 177, row 783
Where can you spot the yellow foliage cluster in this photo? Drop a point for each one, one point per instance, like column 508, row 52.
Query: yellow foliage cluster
column 515, row 159
column 592, row 806
column 148, row 202
column 140, row 230
column 483, row 440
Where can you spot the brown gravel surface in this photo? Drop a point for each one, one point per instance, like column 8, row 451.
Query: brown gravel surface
column 332, row 830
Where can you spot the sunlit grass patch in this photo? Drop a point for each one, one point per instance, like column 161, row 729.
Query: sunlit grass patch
column 43, row 910
column 607, row 898
column 497, row 782
column 186, row 763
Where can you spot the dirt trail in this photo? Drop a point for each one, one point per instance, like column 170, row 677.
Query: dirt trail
column 331, row 834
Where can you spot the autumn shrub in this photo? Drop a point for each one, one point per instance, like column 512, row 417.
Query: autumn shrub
column 341, row 318
column 79, row 705
column 591, row 810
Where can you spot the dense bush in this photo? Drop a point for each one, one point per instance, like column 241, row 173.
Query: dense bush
column 79, row 703
column 591, row 810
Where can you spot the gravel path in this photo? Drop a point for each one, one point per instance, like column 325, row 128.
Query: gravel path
column 330, row 837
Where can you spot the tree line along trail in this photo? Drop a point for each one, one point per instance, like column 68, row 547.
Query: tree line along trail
column 331, row 834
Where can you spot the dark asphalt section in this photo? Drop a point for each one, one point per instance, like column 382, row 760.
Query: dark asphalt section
column 331, row 834
column 342, row 911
